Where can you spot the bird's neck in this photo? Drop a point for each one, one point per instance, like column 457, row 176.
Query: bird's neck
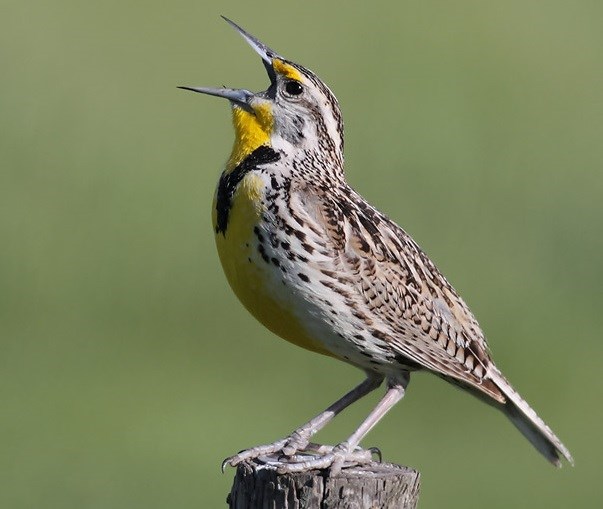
column 252, row 130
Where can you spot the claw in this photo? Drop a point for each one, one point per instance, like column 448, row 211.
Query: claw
column 376, row 452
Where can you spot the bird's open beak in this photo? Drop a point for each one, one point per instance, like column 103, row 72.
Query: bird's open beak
column 242, row 97
column 238, row 96
column 259, row 47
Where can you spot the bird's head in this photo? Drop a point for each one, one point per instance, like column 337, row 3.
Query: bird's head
column 296, row 115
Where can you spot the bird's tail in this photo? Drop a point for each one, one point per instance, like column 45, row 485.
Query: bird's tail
column 530, row 425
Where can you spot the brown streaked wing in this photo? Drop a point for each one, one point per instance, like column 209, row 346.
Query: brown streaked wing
column 398, row 286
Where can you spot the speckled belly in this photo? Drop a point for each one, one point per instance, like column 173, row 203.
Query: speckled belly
column 257, row 281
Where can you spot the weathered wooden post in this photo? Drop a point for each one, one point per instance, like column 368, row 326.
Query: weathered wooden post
column 370, row 486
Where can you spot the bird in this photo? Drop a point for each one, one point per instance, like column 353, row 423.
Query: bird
column 322, row 268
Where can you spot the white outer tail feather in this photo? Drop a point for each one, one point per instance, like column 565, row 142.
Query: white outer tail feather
column 530, row 425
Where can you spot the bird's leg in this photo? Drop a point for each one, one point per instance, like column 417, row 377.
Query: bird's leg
column 346, row 452
column 300, row 438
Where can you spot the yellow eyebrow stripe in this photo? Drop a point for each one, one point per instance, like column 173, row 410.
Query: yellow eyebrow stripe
column 286, row 70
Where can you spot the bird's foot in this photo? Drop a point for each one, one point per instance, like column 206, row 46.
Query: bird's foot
column 298, row 441
column 296, row 454
column 328, row 457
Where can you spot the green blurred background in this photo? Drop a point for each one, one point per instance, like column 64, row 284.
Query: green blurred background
column 128, row 369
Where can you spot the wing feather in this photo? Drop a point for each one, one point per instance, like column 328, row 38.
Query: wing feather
column 400, row 288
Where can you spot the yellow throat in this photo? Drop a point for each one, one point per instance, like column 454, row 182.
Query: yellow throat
column 251, row 131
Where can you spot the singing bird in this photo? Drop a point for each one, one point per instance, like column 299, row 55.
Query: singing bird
column 319, row 266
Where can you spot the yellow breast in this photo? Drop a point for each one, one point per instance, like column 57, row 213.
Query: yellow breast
column 257, row 284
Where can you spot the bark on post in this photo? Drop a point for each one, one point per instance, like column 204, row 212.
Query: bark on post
column 376, row 485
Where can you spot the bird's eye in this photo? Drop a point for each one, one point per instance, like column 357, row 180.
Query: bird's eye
column 293, row 87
